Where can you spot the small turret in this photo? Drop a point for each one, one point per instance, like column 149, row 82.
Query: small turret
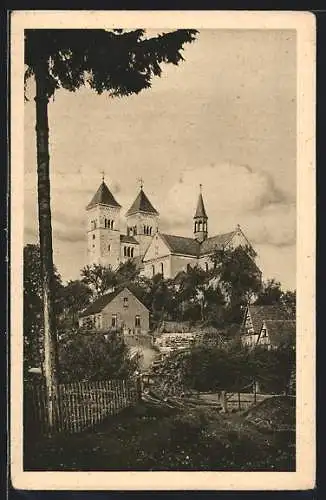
column 200, row 219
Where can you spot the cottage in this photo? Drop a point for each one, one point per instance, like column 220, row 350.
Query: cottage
column 269, row 326
column 119, row 310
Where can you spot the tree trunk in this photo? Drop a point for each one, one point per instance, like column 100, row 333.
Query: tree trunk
column 45, row 235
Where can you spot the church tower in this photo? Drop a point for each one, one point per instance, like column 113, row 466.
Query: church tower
column 103, row 228
column 142, row 221
column 200, row 219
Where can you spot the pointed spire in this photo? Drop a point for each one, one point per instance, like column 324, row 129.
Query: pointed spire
column 141, row 204
column 103, row 196
column 200, row 210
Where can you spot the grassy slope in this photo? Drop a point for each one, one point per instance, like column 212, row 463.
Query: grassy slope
column 160, row 438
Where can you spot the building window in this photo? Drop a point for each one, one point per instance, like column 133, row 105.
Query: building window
column 114, row 320
column 93, row 236
column 162, row 268
column 135, row 230
column 199, row 225
column 125, row 251
column 137, row 321
column 125, row 302
column 128, row 251
column 206, row 267
column 109, row 248
column 195, row 227
column 132, row 252
column 153, row 270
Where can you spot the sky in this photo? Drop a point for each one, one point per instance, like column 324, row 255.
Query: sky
column 225, row 118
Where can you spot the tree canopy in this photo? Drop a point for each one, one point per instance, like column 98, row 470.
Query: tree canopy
column 121, row 62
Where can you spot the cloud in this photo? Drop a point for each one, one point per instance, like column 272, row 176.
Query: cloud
column 232, row 194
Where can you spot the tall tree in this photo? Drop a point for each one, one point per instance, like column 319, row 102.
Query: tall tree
column 33, row 304
column 119, row 62
column 238, row 277
column 270, row 293
column 98, row 278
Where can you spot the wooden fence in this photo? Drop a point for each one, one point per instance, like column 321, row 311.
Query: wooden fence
column 79, row 405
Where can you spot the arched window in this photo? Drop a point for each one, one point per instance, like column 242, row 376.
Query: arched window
column 153, row 270
column 125, row 251
column 111, row 224
column 109, row 248
column 162, row 268
column 150, row 230
column 132, row 252
column 93, row 236
column 195, row 227
column 135, row 230
column 199, row 225
column 144, row 229
column 128, row 251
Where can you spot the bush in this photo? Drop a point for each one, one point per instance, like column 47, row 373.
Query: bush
column 94, row 357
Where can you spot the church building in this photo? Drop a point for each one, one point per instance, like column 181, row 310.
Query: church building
column 143, row 242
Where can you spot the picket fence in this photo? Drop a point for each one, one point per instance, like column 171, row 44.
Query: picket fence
column 78, row 406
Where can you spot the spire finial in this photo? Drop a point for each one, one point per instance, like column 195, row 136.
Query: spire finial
column 141, row 182
column 200, row 188
column 103, row 174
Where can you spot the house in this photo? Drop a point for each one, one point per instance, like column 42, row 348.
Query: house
column 267, row 325
column 121, row 309
column 153, row 251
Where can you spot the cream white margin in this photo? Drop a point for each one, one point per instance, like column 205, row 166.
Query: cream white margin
column 304, row 24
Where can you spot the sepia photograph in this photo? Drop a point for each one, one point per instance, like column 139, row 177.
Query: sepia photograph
column 163, row 248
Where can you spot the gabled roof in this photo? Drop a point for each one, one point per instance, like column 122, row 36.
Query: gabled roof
column 200, row 210
column 103, row 196
column 259, row 314
column 281, row 332
column 181, row 244
column 141, row 204
column 98, row 305
column 124, row 238
column 216, row 242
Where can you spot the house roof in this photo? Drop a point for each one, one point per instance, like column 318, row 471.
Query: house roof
column 259, row 314
column 200, row 210
column 141, row 204
column 182, row 245
column 98, row 305
column 281, row 331
column 103, row 196
column 124, row 238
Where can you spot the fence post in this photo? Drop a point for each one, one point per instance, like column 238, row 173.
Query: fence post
column 139, row 387
column 224, row 402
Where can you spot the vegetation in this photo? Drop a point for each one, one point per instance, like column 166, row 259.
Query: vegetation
column 95, row 357
column 230, row 368
column 146, row 438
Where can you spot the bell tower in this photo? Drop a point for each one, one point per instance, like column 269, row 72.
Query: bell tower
column 200, row 219
column 103, row 228
column 142, row 220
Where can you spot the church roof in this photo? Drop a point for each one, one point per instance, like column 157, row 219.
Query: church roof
column 124, row 238
column 215, row 242
column 200, row 210
column 190, row 246
column 182, row 245
column 141, row 204
column 103, row 196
